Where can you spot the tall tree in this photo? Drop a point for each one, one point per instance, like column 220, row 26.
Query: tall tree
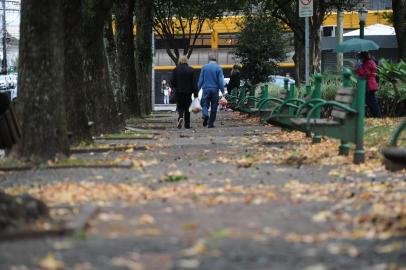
column 258, row 58
column 124, row 12
column 101, row 107
column 41, row 80
column 144, row 19
column 288, row 12
column 112, row 60
column 184, row 19
column 399, row 22
column 75, row 94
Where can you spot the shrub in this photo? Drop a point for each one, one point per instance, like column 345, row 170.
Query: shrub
column 392, row 92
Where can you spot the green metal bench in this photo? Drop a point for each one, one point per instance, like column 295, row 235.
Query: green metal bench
column 249, row 103
column 395, row 157
column 236, row 96
column 265, row 106
column 232, row 98
column 347, row 118
column 282, row 114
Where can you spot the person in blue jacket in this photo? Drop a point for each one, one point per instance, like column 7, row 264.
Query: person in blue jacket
column 211, row 80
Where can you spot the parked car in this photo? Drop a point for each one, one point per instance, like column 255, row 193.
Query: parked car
column 8, row 85
column 4, row 84
column 279, row 80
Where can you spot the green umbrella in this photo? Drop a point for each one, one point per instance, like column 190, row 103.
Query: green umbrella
column 357, row 45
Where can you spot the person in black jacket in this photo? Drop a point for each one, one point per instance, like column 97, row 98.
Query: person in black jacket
column 235, row 79
column 183, row 82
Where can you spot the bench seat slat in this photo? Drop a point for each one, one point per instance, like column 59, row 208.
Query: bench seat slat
column 339, row 114
column 315, row 121
column 345, row 91
column 343, row 99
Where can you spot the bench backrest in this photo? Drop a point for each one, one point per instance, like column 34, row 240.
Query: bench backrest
column 345, row 96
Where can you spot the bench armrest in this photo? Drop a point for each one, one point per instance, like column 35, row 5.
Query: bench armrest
column 309, row 103
column 262, row 102
column 396, row 134
column 288, row 103
column 246, row 98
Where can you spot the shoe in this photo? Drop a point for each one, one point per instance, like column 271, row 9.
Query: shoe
column 205, row 120
column 187, row 127
column 211, row 127
column 180, row 122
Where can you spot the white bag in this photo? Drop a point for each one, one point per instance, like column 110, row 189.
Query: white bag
column 195, row 106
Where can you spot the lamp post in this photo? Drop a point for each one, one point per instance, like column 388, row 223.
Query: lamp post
column 362, row 14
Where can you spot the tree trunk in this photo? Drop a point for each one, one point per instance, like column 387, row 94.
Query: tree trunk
column 75, row 95
column 125, row 50
column 41, row 80
column 399, row 22
column 111, row 51
column 299, row 58
column 102, row 110
column 144, row 20
column 315, row 49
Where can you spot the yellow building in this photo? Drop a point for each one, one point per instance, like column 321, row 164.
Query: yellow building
column 220, row 36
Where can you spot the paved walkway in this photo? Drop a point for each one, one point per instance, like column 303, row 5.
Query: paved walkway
column 233, row 197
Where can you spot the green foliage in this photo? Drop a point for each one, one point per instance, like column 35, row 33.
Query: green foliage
column 388, row 16
column 392, row 104
column 175, row 178
column 392, row 72
column 260, row 47
column 329, row 86
column 392, row 91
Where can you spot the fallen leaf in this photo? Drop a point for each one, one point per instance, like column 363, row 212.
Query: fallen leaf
column 51, row 263
column 188, row 264
column 126, row 263
column 198, row 248
column 389, row 248
column 147, row 219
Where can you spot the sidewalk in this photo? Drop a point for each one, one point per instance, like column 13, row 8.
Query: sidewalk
column 218, row 199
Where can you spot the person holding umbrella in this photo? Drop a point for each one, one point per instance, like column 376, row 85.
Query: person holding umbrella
column 367, row 69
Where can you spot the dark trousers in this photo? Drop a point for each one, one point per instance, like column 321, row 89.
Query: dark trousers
column 183, row 101
column 372, row 103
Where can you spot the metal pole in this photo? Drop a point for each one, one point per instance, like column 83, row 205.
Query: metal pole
column 361, row 29
column 307, row 50
column 4, row 61
column 339, row 38
column 153, row 72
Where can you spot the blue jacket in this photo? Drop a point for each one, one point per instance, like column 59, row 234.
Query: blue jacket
column 211, row 77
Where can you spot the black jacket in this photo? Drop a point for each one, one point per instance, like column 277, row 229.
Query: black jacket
column 183, row 80
column 234, row 81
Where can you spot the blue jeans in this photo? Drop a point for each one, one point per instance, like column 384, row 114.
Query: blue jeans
column 210, row 98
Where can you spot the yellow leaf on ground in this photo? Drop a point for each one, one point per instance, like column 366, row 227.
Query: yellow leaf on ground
column 147, row 219
column 389, row 248
column 51, row 263
column 197, row 249
column 126, row 263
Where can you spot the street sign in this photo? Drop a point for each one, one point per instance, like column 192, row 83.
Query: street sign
column 305, row 8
